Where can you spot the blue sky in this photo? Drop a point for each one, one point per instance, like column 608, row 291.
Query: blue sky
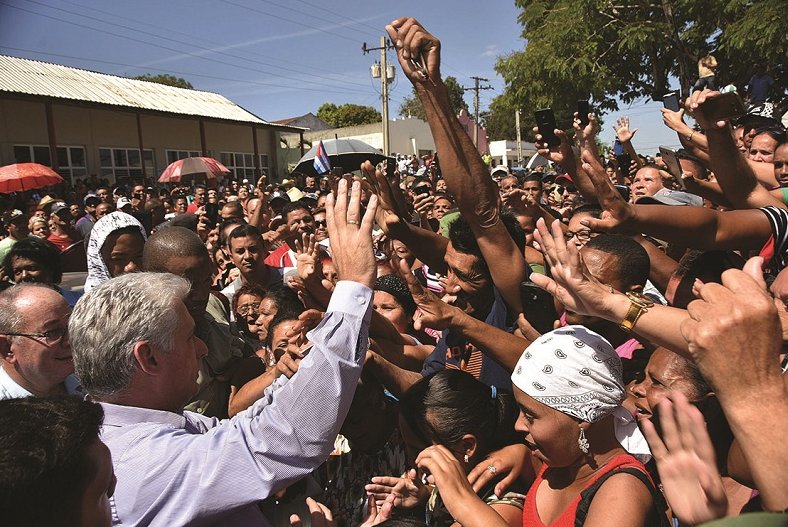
column 276, row 58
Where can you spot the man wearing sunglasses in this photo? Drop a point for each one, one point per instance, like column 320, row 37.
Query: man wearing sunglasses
column 35, row 354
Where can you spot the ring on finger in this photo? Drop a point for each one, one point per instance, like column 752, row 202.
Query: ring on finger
column 491, row 468
column 352, row 222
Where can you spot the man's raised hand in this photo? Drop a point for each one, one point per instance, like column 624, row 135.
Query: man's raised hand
column 351, row 235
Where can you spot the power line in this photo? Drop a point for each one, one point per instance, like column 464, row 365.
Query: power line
column 175, row 31
column 297, row 22
column 186, row 73
column 194, row 55
column 341, row 17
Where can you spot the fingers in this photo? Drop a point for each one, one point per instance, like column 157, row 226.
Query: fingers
column 354, row 207
column 754, row 269
column 655, row 443
column 321, row 515
column 414, row 286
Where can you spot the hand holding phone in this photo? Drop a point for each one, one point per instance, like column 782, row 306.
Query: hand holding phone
column 674, row 167
column 583, row 110
column 538, row 307
column 545, row 121
column 671, row 101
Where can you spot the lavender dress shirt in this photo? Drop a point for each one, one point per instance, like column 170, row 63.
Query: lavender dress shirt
column 187, row 469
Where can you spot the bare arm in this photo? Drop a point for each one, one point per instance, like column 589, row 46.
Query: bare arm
column 465, row 173
column 397, row 380
column 408, row 356
column 662, row 265
column 733, row 173
column 695, row 227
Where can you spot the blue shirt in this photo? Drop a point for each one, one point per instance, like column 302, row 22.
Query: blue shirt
column 186, row 469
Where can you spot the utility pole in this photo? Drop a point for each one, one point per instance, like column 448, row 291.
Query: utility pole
column 519, row 138
column 381, row 70
column 476, row 89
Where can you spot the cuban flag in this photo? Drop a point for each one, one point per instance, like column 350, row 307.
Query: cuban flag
column 321, row 163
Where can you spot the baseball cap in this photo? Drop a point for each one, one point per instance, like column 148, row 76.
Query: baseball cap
column 278, row 195
column 503, row 169
column 123, row 202
column 667, row 196
column 59, row 206
column 92, row 197
column 12, row 216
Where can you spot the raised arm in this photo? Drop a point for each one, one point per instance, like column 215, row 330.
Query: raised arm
column 733, row 173
column 466, row 175
column 695, row 227
column 429, row 247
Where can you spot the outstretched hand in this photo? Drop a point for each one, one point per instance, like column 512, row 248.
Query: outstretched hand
column 623, row 132
column 734, row 334
column 561, row 154
column 418, row 51
column 571, row 283
column 392, row 210
column 696, row 104
column 686, row 461
column 433, row 312
column 618, row 215
column 351, row 235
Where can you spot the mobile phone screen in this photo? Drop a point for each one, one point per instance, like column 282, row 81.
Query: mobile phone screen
column 545, row 121
column 671, row 101
column 582, row 112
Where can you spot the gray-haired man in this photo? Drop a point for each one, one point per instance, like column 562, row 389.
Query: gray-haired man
column 135, row 352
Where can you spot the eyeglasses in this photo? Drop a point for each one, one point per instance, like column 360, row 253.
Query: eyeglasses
column 248, row 309
column 582, row 236
column 559, row 189
column 321, row 223
column 51, row 337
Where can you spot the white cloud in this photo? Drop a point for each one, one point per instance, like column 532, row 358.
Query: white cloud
column 490, row 51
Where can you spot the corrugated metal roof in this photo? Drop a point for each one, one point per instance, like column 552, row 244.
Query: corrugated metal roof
column 32, row 77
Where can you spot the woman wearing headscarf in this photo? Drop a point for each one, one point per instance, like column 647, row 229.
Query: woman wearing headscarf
column 588, row 449
column 115, row 248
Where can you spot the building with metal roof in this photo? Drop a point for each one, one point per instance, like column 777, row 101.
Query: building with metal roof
column 82, row 122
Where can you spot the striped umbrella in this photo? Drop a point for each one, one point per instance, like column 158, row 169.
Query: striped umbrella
column 20, row 177
column 191, row 168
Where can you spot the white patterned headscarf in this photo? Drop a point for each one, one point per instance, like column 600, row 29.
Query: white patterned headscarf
column 577, row 372
column 98, row 273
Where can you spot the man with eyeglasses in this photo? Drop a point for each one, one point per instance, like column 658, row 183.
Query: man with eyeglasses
column 35, row 354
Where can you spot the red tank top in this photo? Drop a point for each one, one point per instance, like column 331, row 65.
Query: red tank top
column 567, row 517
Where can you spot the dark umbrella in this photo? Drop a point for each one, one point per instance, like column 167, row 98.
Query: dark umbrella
column 347, row 154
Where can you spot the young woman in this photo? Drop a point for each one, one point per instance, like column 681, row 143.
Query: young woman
column 569, row 389
column 465, row 419
column 115, row 248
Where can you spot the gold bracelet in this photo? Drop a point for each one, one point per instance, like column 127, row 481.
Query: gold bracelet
column 639, row 305
column 689, row 136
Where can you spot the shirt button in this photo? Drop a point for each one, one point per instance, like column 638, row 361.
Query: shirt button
column 361, row 300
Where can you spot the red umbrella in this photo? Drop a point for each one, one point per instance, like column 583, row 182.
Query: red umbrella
column 190, row 167
column 27, row 176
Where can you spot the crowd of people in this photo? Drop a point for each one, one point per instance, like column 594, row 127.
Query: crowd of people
column 595, row 342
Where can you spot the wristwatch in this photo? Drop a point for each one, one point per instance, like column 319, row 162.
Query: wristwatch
column 639, row 304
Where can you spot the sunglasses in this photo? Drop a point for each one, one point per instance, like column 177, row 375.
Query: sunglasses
column 321, row 223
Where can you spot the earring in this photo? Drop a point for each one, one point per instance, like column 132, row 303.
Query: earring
column 467, row 458
column 583, row 442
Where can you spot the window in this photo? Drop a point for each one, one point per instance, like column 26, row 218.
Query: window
column 241, row 165
column 71, row 160
column 125, row 164
column 175, row 155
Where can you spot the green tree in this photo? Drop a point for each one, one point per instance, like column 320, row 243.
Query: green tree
column 625, row 51
column 163, row 78
column 347, row 115
column 412, row 107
